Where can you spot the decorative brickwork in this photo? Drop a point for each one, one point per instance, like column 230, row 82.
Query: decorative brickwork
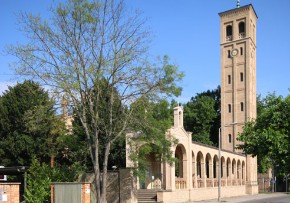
column 10, row 192
column 86, row 193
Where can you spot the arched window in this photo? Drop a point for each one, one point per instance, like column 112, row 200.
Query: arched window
column 229, row 79
column 207, row 168
column 215, row 166
column 230, row 108
column 242, row 106
column 242, row 76
column 234, row 168
column 239, row 169
column 222, row 167
column 229, row 33
column 241, row 29
column 180, row 167
column 198, row 168
column 228, row 167
column 200, row 165
column 243, row 170
column 230, row 138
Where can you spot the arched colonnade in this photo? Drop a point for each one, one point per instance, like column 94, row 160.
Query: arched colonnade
column 204, row 167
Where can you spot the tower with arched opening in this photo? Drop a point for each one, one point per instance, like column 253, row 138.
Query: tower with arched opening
column 238, row 72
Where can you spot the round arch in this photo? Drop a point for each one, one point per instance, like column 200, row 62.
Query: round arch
column 228, row 167
column 223, row 167
column 208, row 165
column 234, row 168
column 242, row 27
column 180, row 167
column 229, row 30
column 215, row 166
column 239, row 170
column 180, row 164
column 152, row 163
column 234, row 172
column 200, row 169
column 200, row 164
column 243, row 172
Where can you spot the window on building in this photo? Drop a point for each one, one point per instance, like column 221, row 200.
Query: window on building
column 229, row 30
column 242, row 106
column 241, row 29
column 230, row 138
column 229, row 33
column 242, row 76
column 241, row 51
column 230, row 108
column 229, row 54
column 229, row 79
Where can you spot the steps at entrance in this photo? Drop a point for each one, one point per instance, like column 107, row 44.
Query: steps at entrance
column 147, row 196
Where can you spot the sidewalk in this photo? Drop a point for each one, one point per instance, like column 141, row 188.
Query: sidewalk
column 245, row 198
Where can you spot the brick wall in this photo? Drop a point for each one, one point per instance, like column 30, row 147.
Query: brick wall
column 86, row 193
column 264, row 181
column 11, row 191
column 52, row 193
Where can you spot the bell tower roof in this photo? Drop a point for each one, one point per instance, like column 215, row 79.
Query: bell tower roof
column 178, row 117
column 235, row 10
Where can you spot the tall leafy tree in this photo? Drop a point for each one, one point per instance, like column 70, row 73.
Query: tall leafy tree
column 153, row 120
column 84, row 44
column 215, row 94
column 268, row 136
column 202, row 116
column 198, row 115
column 28, row 125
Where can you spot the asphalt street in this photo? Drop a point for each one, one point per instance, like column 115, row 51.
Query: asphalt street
column 260, row 198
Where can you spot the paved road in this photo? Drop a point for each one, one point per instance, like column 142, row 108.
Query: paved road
column 261, row 198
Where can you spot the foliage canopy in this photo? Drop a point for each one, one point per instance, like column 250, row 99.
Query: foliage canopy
column 268, row 136
column 95, row 54
column 28, row 125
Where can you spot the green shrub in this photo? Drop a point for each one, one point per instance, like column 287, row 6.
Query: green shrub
column 39, row 178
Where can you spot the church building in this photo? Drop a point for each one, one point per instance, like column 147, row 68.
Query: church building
column 205, row 172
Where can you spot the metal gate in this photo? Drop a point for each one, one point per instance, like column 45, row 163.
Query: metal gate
column 71, row 193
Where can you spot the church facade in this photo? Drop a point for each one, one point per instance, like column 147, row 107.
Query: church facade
column 204, row 172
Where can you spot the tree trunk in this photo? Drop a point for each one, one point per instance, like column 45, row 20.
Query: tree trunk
column 97, row 174
column 97, row 185
column 105, row 173
column 52, row 157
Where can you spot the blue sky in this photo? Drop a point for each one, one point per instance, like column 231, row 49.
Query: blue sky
column 187, row 31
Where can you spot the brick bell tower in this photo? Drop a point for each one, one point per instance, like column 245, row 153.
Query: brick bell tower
column 238, row 72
